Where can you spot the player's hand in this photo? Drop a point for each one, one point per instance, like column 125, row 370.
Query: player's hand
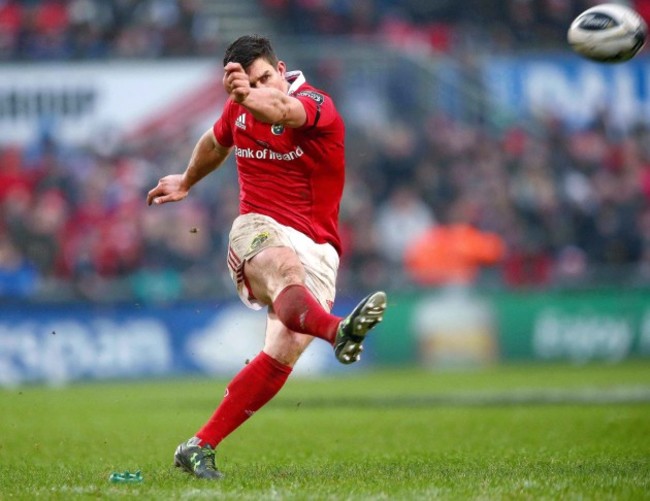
column 236, row 82
column 169, row 189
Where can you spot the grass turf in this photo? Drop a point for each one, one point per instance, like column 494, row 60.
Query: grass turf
column 533, row 432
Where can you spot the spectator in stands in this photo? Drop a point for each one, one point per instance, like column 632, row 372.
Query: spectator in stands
column 452, row 252
column 403, row 217
column 18, row 276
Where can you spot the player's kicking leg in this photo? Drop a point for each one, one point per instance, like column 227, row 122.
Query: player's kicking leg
column 353, row 329
column 263, row 377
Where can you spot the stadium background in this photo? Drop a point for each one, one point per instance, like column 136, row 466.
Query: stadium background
column 460, row 115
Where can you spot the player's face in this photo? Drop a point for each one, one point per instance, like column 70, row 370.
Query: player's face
column 263, row 75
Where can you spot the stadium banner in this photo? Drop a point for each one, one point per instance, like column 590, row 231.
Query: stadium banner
column 579, row 326
column 568, row 87
column 456, row 327
column 79, row 102
column 56, row 344
column 441, row 328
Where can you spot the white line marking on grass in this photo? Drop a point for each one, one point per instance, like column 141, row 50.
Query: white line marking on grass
column 622, row 394
column 523, row 396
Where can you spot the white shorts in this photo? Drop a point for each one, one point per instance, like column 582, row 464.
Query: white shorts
column 252, row 233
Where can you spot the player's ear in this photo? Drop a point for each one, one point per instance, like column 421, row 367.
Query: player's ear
column 282, row 68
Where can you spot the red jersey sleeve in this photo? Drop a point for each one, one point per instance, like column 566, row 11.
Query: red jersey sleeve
column 222, row 128
column 318, row 106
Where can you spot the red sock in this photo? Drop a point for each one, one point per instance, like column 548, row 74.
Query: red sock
column 299, row 311
column 251, row 388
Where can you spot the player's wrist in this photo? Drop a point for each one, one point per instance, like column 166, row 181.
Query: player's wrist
column 240, row 97
column 185, row 183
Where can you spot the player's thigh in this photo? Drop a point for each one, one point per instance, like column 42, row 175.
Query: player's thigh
column 271, row 270
column 283, row 344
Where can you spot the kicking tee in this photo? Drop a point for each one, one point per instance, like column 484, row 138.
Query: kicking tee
column 294, row 175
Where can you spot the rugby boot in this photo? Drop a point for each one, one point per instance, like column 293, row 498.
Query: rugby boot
column 197, row 460
column 354, row 328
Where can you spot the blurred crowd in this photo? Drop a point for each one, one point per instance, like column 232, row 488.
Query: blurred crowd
column 555, row 206
column 75, row 222
column 81, row 29
column 37, row 30
column 446, row 25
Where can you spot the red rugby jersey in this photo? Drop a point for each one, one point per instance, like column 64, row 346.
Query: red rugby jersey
column 294, row 175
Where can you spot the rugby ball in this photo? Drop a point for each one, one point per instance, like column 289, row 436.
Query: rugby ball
column 608, row 33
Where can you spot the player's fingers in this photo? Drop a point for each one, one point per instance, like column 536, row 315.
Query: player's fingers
column 234, row 80
column 237, row 78
column 153, row 194
column 240, row 83
column 161, row 189
column 174, row 196
column 232, row 66
column 161, row 199
column 226, row 84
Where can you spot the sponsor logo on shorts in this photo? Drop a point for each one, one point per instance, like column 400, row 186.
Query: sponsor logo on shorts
column 259, row 239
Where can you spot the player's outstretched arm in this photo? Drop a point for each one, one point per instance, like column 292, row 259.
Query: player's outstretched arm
column 273, row 107
column 267, row 104
column 208, row 154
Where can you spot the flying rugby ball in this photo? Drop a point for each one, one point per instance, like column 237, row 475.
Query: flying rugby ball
column 608, row 33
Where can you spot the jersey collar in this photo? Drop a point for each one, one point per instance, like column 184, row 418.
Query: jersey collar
column 296, row 79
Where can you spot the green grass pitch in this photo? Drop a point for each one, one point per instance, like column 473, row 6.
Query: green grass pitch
column 513, row 432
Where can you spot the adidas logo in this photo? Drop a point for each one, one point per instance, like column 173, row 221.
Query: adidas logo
column 241, row 121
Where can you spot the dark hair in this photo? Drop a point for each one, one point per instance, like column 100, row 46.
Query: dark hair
column 248, row 48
